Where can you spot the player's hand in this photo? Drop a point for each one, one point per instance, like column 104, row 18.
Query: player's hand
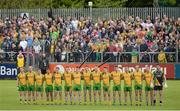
column 17, row 87
column 165, row 85
column 151, row 85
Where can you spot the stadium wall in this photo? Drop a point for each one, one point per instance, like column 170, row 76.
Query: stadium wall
column 169, row 69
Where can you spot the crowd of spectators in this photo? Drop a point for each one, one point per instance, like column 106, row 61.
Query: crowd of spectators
column 60, row 37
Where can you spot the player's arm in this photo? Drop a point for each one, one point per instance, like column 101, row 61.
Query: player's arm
column 17, row 82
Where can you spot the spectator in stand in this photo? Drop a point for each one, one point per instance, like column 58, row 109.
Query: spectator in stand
column 70, row 35
column 43, row 63
column 162, row 57
column 20, row 61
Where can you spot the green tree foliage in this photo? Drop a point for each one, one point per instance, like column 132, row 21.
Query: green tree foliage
column 25, row 4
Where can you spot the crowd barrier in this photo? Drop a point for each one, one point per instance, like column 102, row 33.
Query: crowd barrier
column 167, row 68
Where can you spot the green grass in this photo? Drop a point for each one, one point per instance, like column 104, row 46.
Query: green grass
column 9, row 100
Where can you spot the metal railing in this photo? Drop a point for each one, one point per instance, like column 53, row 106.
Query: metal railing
column 116, row 57
column 173, row 12
column 12, row 57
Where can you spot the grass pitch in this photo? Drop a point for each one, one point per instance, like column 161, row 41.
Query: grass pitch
column 9, row 100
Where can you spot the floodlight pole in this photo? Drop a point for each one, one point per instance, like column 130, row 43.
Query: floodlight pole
column 90, row 6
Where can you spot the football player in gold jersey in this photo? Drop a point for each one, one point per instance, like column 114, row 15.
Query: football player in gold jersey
column 49, row 85
column 57, row 80
column 148, row 77
column 31, row 84
column 96, row 84
column 68, row 84
column 138, row 77
column 39, row 81
column 127, row 85
column 116, row 77
column 22, row 86
column 77, row 85
column 87, row 84
column 106, row 85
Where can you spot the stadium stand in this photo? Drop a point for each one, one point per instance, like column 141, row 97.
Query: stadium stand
column 69, row 40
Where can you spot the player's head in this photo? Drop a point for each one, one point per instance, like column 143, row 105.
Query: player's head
column 67, row 68
column 48, row 71
column 39, row 71
column 77, row 69
column 137, row 67
column 147, row 69
column 116, row 68
column 86, row 68
column 158, row 67
column 21, row 69
column 105, row 69
column 57, row 69
column 126, row 69
column 96, row 68
column 30, row 68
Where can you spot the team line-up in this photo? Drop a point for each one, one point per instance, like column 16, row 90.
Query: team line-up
column 31, row 86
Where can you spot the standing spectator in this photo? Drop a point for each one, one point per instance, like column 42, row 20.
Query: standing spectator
column 134, row 56
column 23, row 44
column 37, row 48
column 43, row 63
column 20, row 61
column 162, row 57
column 145, row 57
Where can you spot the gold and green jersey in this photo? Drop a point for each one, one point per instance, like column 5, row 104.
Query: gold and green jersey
column 30, row 78
column 127, row 79
column 138, row 77
column 48, row 79
column 106, row 79
column 116, row 76
column 96, row 76
column 22, row 79
column 68, row 78
column 87, row 77
column 148, row 78
column 57, row 79
column 77, row 78
column 39, row 79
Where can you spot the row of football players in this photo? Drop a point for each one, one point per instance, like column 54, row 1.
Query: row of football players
column 31, row 86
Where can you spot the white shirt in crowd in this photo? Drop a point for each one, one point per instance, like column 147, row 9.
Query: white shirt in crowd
column 23, row 44
column 37, row 49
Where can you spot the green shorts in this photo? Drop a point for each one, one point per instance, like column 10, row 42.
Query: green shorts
column 22, row 88
column 105, row 88
column 148, row 88
column 39, row 88
column 127, row 88
column 67, row 88
column 57, row 88
column 77, row 87
column 31, row 88
column 138, row 87
column 87, row 87
column 49, row 88
column 116, row 87
column 97, row 86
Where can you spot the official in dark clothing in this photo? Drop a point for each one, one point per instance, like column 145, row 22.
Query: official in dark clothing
column 43, row 64
column 159, row 80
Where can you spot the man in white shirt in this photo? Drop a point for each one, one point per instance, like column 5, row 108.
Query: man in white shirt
column 23, row 44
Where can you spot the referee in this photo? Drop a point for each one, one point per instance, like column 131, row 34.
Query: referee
column 159, row 78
